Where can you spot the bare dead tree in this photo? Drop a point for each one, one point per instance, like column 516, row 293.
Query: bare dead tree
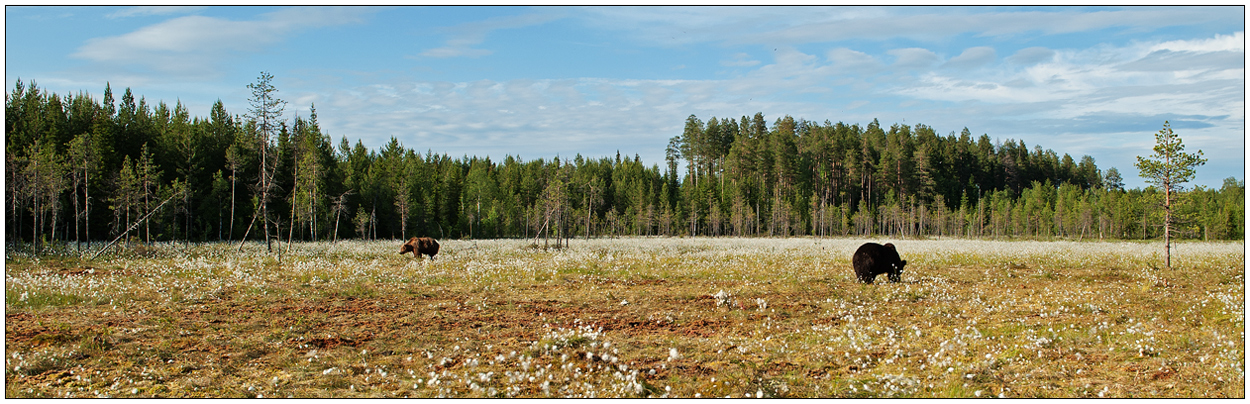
column 136, row 224
column 266, row 110
column 339, row 206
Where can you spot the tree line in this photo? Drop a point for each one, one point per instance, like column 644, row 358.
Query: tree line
column 77, row 169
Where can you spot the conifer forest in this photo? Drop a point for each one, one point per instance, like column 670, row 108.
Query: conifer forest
column 79, row 169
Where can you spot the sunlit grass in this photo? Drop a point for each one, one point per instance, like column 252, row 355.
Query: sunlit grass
column 641, row 317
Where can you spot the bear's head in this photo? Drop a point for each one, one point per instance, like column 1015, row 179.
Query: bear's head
column 898, row 263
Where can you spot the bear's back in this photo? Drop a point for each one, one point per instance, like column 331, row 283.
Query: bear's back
column 872, row 259
column 875, row 252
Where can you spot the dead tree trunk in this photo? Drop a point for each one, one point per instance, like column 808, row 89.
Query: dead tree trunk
column 133, row 226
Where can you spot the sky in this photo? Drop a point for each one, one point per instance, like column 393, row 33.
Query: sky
column 541, row 82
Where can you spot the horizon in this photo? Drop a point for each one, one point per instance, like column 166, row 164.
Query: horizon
column 541, row 82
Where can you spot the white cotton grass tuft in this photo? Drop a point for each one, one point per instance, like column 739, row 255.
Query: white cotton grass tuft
column 749, row 269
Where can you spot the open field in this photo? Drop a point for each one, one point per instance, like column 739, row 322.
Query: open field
column 629, row 317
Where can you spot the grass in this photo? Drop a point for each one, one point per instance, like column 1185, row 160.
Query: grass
column 642, row 317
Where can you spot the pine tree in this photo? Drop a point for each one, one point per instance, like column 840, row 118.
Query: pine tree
column 1168, row 169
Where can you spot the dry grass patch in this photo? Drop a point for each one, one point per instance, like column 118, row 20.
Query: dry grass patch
column 647, row 317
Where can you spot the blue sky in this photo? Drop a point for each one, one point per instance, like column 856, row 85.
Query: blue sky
column 545, row 81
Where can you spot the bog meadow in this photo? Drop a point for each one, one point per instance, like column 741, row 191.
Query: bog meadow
column 628, row 317
column 209, row 201
column 152, row 254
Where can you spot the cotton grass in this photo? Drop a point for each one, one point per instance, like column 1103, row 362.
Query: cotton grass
column 636, row 317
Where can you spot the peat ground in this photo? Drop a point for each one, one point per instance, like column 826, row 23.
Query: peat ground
column 628, row 318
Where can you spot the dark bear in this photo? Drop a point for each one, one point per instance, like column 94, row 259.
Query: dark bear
column 872, row 259
column 420, row 245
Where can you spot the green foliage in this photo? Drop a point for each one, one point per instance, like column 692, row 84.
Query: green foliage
column 1170, row 166
column 1168, row 169
column 41, row 299
column 82, row 169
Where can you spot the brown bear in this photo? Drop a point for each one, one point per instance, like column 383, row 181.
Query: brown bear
column 420, row 245
column 872, row 259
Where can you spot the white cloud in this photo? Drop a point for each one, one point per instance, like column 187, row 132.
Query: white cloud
column 180, row 44
column 463, row 36
column 792, row 71
column 1102, row 89
column 674, row 26
column 1033, row 55
column 857, row 104
column 543, row 118
column 1220, row 43
column 913, row 58
column 740, row 59
column 533, row 118
column 972, row 58
column 197, row 45
column 852, row 61
column 1186, row 63
column 454, row 52
column 791, row 26
column 944, row 88
column 590, row 116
